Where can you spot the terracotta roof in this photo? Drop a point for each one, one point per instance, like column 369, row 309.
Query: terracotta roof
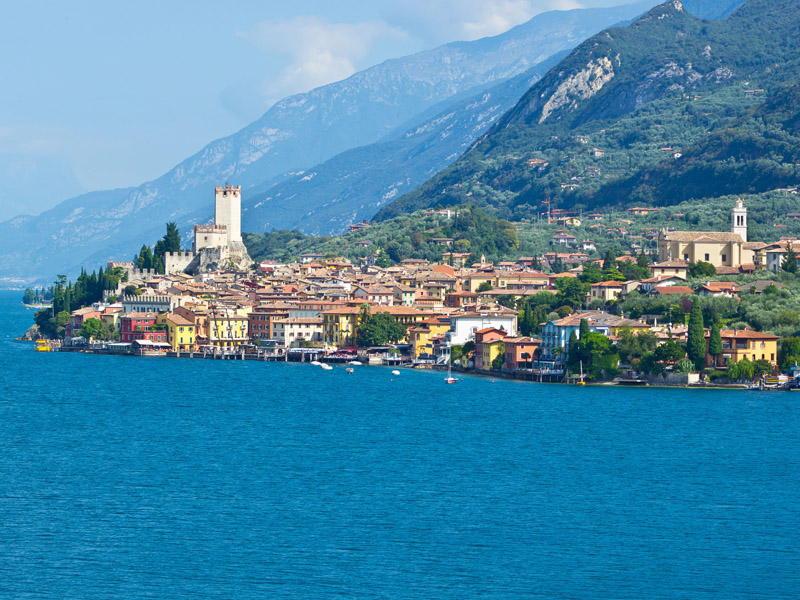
column 747, row 334
column 702, row 236
column 674, row 289
column 179, row 320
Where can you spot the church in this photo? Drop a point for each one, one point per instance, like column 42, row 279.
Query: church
column 720, row 248
column 217, row 246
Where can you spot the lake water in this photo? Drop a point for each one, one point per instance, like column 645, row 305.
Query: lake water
column 161, row 478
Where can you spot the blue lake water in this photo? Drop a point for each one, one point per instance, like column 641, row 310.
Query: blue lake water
column 163, row 478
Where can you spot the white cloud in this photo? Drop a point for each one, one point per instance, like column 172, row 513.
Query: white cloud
column 440, row 21
column 317, row 52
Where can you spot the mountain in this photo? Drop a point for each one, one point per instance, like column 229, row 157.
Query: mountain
column 353, row 185
column 622, row 101
column 32, row 184
column 297, row 133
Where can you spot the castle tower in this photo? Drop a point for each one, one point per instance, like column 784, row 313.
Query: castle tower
column 739, row 220
column 228, row 210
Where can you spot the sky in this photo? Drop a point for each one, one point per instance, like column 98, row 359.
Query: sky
column 108, row 94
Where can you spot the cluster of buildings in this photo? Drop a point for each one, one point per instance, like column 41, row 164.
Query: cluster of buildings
column 318, row 303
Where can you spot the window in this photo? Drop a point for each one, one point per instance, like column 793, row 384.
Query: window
column 706, row 259
column 685, row 257
column 724, row 258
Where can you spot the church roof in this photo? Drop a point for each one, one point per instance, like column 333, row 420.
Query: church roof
column 702, row 236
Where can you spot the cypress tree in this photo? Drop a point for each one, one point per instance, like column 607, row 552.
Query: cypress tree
column 790, row 260
column 584, row 329
column 715, row 343
column 526, row 327
column 696, row 346
column 172, row 239
column 610, row 260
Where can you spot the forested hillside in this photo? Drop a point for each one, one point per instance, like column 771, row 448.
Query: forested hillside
column 671, row 108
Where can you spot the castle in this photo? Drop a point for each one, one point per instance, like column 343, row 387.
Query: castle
column 219, row 245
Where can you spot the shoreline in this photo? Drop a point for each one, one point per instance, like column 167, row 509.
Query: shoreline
column 489, row 375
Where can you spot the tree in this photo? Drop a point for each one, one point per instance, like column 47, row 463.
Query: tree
column 790, row 260
column 526, row 358
column 744, row 369
column 715, row 343
column 172, row 239
column 609, row 260
column 526, row 324
column 93, row 329
column 571, row 291
column 701, row 269
column 145, row 259
column 497, row 361
column 564, row 311
column 485, row 287
column 456, row 352
column 696, row 344
column 762, row 367
column 584, row 328
column 789, row 353
column 507, row 300
column 378, row 329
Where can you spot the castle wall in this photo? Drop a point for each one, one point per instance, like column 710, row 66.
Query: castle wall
column 178, row 262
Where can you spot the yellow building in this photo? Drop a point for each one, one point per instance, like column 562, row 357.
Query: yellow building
column 111, row 319
column 181, row 333
column 739, row 344
column 340, row 325
column 607, row 291
column 421, row 336
column 488, row 346
column 227, row 331
column 471, row 282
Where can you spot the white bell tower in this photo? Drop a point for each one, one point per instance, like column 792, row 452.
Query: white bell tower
column 739, row 220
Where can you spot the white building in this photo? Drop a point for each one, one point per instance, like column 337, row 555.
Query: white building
column 149, row 303
column 289, row 332
column 464, row 325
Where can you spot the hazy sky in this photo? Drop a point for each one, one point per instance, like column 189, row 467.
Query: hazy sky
column 119, row 92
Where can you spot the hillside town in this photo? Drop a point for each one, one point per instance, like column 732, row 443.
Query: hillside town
column 479, row 317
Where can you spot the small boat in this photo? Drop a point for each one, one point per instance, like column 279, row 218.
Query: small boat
column 450, row 378
column 395, row 372
column 356, row 363
column 326, row 367
column 43, row 346
column 349, row 370
column 316, row 363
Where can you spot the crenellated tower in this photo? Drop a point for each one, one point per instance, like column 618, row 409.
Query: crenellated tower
column 228, row 210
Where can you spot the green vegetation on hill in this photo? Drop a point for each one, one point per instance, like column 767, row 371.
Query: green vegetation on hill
column 68, row 296
column 410, row 236
column 673, row 85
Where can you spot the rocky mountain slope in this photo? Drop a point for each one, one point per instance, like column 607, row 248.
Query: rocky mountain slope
column 624, row 99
